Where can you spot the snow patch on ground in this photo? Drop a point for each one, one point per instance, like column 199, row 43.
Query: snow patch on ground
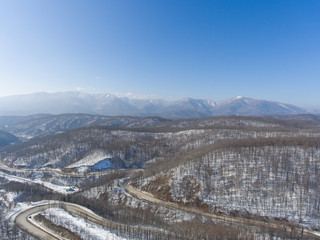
column 7, row 197
column 313, row 232
column 84, row 228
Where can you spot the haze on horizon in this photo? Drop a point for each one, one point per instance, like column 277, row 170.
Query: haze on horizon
column 163, row 49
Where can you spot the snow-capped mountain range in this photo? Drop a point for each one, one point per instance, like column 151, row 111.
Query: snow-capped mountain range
column 107, row 104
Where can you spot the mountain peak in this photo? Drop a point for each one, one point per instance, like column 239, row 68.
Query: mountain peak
column 108, row 104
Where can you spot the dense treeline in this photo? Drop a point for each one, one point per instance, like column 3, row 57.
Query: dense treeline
column 46, row 124
column 137, row 146
column 251, row 143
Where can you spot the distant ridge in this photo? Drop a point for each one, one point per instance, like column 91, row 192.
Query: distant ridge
column 107, row 104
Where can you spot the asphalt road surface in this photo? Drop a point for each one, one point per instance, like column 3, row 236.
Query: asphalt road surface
column 25, row 223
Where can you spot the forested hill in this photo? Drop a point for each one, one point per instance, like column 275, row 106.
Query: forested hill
column 261, row 168
column 7, row 138
column 139, row 142
column 27, row 127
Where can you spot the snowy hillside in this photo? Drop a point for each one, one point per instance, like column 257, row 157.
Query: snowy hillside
column 135, row 147
column 193, row 178
column 274, row 178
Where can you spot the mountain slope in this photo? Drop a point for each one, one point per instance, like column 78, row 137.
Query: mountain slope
column 138, row 141
column 65, row 102
column 268, row 177
column 188, row 108
column 106, row 104
column 252, row 107
column 7, row 139
column 47, row 124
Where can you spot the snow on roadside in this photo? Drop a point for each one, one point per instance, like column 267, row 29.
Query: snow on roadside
column 78, row 225
column 20, row 207
column 54, row 187
column 34, row 222
column 313, row 232
column 23, row 206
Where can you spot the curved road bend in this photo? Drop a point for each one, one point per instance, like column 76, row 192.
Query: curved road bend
column 78, row 210
column 22, row 220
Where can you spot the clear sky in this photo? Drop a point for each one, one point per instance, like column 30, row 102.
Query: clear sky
column 163, row 48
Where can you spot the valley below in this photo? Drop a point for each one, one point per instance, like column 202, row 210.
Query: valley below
column 152, row 178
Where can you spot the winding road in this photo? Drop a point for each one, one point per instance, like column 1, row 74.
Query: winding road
column 25, row 223
column 149, row 198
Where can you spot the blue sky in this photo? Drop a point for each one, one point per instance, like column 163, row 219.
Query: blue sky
column 166, row 48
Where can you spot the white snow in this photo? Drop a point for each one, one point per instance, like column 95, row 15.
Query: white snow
column 283, row 105
column 90, row 159
column 54, row 187
column 239, row 180
column 7, row 197
column 20, row 207
column 58, row 216
column 79, row 225
column 313, row 232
